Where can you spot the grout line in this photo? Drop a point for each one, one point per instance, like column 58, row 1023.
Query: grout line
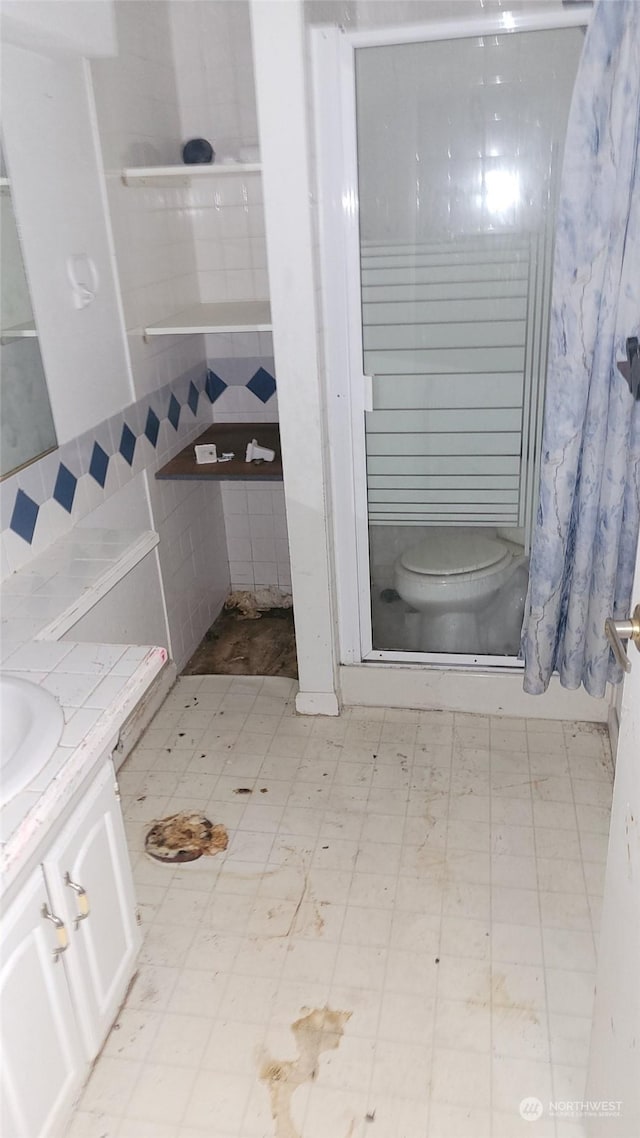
column 436, row 999
column 542, row 937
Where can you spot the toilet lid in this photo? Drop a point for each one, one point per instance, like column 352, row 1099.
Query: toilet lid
column 446, row 552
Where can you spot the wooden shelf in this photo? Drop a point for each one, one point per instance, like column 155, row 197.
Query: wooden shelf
column 229, row 437
column 231, row 316
column 158, row 175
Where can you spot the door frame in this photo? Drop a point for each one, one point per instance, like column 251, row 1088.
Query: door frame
column 348, row 391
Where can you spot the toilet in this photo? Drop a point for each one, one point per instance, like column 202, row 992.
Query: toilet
column 452, row 578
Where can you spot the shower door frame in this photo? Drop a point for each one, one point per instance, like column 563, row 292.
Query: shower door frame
column 349, row 392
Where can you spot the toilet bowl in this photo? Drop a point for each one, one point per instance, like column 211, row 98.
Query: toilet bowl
column 451, row 578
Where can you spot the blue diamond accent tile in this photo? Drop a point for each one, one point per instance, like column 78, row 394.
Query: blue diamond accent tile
column 98, row 465
column 214, row 386
column 174, row 412
column 262, row 384
column 127, row 444
column 193, row 397
column 64, row 490
column 24, row 517
column 152, row 427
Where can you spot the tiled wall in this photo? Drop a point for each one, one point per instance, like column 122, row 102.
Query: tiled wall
column 162, row 270
column 257, row 541
column 214, row 70
column 227, row 215
column 214, row 77
column 254, row 513
column 476, row 155
column 49, row 497
column 139, row 124
column 192, row 75
column 77, row 481
column 242, row 377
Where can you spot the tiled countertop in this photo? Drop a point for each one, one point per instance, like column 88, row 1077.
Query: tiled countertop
column 97, row 685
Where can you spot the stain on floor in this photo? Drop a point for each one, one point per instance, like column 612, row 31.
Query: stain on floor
column 320, row 1030
column 185, row 837
column 234, row 646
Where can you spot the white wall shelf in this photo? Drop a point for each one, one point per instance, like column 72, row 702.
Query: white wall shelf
column 160, row 175
column 229, row 316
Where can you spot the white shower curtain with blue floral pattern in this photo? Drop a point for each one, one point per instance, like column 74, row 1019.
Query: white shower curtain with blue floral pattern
column 584, row 543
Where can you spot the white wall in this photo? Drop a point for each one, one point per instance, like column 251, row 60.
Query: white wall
column 216, row 95
column 214, row 69
column 26, row 422
column 139, row 119
column 193, row 559
column 133, row 612
column 66, row 27
column 139, row 125
column 282, row 97
column 58, row 198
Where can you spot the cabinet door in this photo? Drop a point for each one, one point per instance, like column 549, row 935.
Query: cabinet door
column 42, row 1057
column 91, row 855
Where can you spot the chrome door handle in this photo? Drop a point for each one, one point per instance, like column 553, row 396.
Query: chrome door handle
column 618, row 630
column 61, row 932
column 82, row 899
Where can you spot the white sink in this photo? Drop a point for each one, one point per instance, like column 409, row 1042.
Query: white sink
column 31, row 723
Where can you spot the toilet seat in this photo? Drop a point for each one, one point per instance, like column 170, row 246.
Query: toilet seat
column 460, row 555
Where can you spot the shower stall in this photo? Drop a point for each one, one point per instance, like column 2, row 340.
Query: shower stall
column 439, row 151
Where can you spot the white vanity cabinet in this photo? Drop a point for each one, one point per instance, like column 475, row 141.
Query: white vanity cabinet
column 69, row 944
column 42, row 1057
column 89, row 880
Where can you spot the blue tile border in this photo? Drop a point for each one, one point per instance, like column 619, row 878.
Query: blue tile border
column 24, row 516
column 64, row 490
column 99, row 464
column 193, row 397
column 262, row 384
column 214, row 386
column 173, row 414
column 152, row 427
column 127, row 444
column 91, row 452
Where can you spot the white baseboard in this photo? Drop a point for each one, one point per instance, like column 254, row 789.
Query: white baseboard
column 317, row 703
column 483, row 693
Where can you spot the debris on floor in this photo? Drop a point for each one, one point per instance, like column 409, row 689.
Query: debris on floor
column 251, row 603
column 320, row 1030
column 235, row 646
column 185, row 837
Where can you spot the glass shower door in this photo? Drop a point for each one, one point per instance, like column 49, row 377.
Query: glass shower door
column 459, row 151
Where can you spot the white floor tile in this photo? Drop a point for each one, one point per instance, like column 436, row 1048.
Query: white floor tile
column 425, row 873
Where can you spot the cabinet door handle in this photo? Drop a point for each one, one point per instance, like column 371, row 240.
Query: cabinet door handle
column 61, row 932
column 82, row 899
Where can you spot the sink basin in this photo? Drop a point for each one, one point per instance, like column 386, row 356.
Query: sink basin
column 31, row 723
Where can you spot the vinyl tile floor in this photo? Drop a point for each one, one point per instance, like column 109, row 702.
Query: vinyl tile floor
column 399, row 941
